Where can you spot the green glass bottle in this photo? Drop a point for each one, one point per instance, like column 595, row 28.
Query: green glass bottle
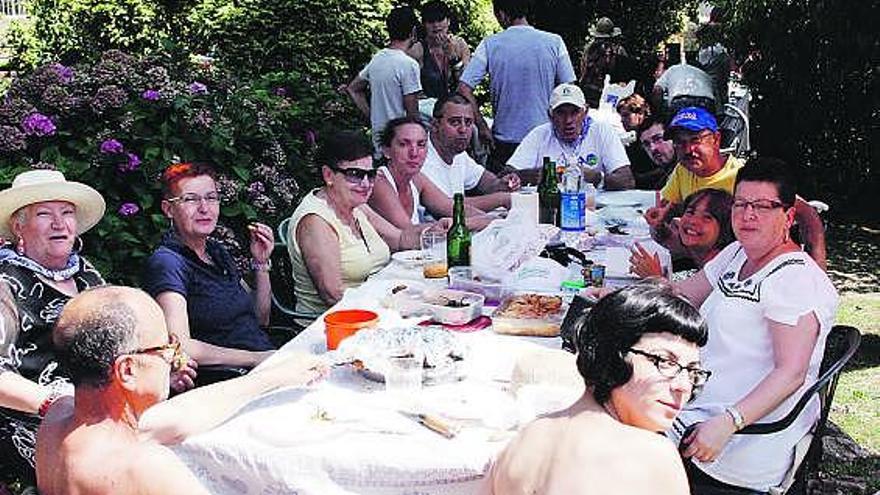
column 458, row 239
column 548, row 194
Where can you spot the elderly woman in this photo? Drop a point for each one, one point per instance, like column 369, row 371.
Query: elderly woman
column 42, row 214
column 401, row 190
column 639, row 358
column 769, row 308
column 195, row 281
column 336, row 239
column 703, row 231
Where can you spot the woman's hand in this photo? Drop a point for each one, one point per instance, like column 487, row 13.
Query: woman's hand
column 643, row 263
column 707, row 439
column 262, row 242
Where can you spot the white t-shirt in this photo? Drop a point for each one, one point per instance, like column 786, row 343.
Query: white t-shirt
column 739, row 353
column 463, row 174
column 599, row 149
column 391, row 74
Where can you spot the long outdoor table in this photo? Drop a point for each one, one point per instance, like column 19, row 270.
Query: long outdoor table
column 346, row 435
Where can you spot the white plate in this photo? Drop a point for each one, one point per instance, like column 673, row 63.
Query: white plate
column 412, row 258
column 617, row 201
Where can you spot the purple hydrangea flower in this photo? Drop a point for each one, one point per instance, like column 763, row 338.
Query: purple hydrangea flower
column 132, row 163
column 107, row 97
column 150, row 95
column 111, row 147
column 37, row 124
column 198, row 88
column 128, row 209
column 64, row 73
column 12, row 139
column 279, row 91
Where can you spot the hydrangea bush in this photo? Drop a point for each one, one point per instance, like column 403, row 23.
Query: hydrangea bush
column 117, row 123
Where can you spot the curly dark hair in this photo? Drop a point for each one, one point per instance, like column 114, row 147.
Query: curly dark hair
column 619, row 320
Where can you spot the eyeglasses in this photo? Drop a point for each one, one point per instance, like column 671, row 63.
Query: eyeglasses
column 193, row 199
column 169, row 352
column 655, row 139
column 761, row 206
column 687, row 142
column 671, row 369
column 355, row 175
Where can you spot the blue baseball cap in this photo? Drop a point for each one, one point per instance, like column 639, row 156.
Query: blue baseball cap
column 693, row 119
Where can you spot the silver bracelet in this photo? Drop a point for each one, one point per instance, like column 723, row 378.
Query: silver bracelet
column 260, row 266
column 736, row 416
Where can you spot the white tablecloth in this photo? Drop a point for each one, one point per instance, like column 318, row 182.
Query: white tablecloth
column 345, row 435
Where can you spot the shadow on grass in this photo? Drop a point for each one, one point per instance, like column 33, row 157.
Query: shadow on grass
column 853, row 256
column 868, row 355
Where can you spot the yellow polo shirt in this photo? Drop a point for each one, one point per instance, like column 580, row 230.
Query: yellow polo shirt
column 682, row 182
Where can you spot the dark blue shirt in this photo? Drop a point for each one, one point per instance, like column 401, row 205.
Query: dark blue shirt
column 220, row 311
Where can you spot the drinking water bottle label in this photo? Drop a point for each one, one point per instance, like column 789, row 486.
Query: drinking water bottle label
column 572, row 209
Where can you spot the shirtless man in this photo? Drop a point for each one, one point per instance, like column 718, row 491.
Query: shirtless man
column 638, row 353
column 110, row 438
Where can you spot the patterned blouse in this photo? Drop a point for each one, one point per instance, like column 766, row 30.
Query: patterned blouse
column 29, row 308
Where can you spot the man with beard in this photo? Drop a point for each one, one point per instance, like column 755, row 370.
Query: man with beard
column 660, row 152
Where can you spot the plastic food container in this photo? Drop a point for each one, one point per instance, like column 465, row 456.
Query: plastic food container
column 515, row 316
column 462, row 278
column 346, row 322
column 452, row 307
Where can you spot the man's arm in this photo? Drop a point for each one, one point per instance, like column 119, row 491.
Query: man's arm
column 491, row 183
column 357, row 91
column 482, row 126
column 621, row 178
column 411, row 105
column 812, row 231
column 488, row 202
column 204, row 408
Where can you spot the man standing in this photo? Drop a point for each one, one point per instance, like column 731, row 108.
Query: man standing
column 573, row 138
column 524, row 65
column 392, row 76
column 697, row 145
column 450, row 168
column 441, row 54
column 109, row 438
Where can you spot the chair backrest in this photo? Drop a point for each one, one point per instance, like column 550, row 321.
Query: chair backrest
column 283, row 300
column 840, row 346
column 282, row 232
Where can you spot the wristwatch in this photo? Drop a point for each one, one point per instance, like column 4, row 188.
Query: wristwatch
column 736, row 416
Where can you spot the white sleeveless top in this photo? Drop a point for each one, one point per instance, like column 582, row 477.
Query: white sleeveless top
column 414, row 216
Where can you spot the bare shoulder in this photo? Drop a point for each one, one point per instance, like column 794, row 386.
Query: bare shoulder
column 650, row 459
column 154, row 469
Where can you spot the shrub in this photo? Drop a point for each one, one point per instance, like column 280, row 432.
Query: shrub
column 117, row 123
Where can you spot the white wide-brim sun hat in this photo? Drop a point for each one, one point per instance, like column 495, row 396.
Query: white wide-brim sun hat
column 37, row 186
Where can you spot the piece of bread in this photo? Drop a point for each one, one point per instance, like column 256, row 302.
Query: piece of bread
column 435, row 270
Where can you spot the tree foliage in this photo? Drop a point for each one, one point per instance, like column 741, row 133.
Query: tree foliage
column 814, row 74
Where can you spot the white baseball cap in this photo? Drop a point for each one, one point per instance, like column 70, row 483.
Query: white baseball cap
column 567, row 93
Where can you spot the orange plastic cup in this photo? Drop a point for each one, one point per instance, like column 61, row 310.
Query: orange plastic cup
column 346, row 322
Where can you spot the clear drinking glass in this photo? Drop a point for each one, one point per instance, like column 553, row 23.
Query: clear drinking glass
column 403, row 380
column 434, row 253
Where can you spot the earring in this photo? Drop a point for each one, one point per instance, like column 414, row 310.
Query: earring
column 81, row 244
column 171, row 223
column 19, row 248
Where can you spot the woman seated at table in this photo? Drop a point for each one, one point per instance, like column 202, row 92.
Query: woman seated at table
column 336, row 239
column 42, row 214
column 638, row 354
column 769, row 308
column 401, row 190
column 195, row 281
column 703, row 231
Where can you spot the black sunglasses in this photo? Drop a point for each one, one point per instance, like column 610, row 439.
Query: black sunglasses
column 354, row 174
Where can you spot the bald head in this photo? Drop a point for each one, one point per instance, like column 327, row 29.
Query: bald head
column 100, row 324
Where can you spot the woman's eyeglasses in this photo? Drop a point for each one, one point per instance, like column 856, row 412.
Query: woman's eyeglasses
column 169, row 352
column 193, row 199
column 760, row 206
column 355, row 175
column 670, row 368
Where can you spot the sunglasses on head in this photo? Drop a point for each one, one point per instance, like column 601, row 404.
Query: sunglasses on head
column 355, row 175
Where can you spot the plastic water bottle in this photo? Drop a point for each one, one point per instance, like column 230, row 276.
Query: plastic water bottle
column 572, row 201
column 591, row 193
